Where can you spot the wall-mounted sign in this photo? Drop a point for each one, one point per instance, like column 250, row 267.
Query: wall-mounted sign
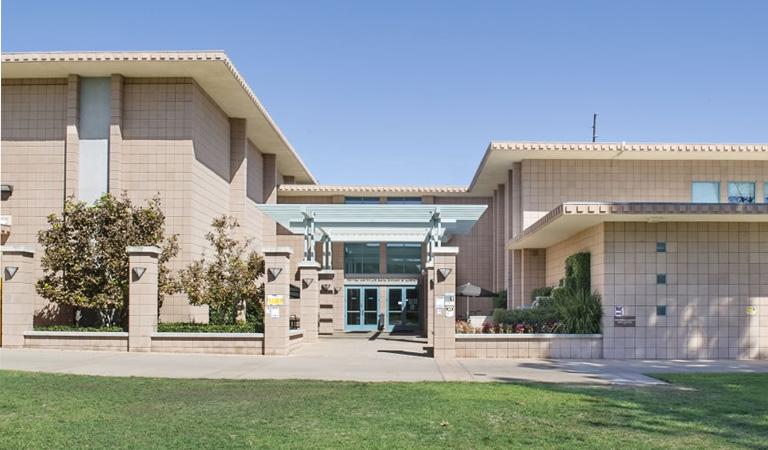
column 624, row 322
column 751, row 310
column 274, row 312
column 618, row 311
column 382, row 281
column 275, row 300
column 439, row 305
column 450, row 304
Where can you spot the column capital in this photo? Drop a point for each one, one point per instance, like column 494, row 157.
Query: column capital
column 138, row 250
column 309, row 265
column 277, row 251
column 445, row 251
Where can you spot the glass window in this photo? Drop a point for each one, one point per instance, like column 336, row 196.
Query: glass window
column 765, row 192
column 361, row 200
column 741, row 192
column 404, row 258
column 361, row 258
column 404, row 200
column 705, row 192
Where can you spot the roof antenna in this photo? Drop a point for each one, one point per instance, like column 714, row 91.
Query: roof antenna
column 594, row 127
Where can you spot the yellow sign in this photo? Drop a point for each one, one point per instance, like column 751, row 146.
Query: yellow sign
column 751, row 310
column 275, row 300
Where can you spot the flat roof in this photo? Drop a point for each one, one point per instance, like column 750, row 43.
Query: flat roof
column 375, row 223
column 570, row 218
column 499, row 156
column 369, row 190
column 212, row 71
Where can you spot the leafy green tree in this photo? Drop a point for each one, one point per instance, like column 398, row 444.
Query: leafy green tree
column 230, row 281
column 85, row 265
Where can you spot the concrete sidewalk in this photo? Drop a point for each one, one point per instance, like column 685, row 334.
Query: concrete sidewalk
column 386, row 358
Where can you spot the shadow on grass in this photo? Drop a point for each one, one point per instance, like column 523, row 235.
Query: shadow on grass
column 732, row 408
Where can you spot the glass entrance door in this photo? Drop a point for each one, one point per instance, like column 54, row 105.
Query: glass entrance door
column 402, row 309
column 362, row 308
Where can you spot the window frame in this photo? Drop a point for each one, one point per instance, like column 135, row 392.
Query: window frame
column 754, row 192
column 716, row 183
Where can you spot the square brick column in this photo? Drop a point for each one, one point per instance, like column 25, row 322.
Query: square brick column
column 142, row 296
column 277, row 293
column 18, row 301
column 310, row 299
column 444, row 328
column 429, row 289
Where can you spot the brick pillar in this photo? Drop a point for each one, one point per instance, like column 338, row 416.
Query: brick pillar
column 18, row 301
column 277, row 263
column 444, row 327
column 310, row 299
column 72, row 143
column 429, row 289
column 238, row 172
column 270, row 182
column 142, row 296
column 116, row 137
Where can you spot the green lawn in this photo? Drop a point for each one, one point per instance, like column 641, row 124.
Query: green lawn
column 63, row 411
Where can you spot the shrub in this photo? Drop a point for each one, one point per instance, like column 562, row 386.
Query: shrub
column 230, row 280
column 541, row 292
column 578, row 272
column 84, row 262
column 186, row 327
column 106, row 329
column 579, row 310
column 538, row 319
column 500, row 301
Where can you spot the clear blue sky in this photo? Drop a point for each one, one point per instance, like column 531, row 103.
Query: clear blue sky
column 411, row 92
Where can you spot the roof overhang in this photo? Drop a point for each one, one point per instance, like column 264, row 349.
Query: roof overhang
column 211, row 70
column 500, row 156
column 375, row 223
column 303, row 190
column 570, row 218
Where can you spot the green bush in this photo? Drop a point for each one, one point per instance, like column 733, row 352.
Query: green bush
column 579, row 310
column 578, row 272
column 538, row 319
column 541, row 292
column 186, row 327
column 104, row 329
column 500, row 301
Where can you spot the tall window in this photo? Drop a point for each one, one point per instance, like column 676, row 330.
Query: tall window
column 361, row 200
column 95, row 117
column 705, row 192
column 362, row 258
column 765, row 192
column 403, row 258
column 404, row 200
column 741, row 192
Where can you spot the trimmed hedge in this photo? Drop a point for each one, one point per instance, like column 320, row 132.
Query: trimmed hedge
column 112, row 329
column 187, row 327
column 578, row 271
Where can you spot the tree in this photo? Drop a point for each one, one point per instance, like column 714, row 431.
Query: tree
column 230, row 281
column 84, row 261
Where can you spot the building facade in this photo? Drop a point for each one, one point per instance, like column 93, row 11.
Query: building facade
column 677, row 233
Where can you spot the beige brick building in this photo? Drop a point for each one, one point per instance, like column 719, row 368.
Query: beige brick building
column 678, row 233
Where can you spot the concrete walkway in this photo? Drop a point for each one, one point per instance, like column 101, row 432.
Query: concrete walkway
column 366, row 358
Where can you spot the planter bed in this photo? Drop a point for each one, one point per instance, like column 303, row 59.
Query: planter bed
column 77, row 340
column 208, row 342
column 529, row 345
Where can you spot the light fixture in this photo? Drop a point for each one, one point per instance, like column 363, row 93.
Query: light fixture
column 307, row 282
column 274, row 272
column 444, row 272
column 138, row 272
column 10, row 271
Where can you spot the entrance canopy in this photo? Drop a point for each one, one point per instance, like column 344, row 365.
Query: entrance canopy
column 433, row 224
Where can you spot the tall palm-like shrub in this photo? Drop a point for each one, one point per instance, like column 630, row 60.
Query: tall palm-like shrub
column 579, row 310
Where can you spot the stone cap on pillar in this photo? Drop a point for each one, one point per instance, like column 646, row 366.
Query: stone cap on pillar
column 309, row 265
column 287, row 251
column 445, row 251
column 23, row 250
column 136, row 250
